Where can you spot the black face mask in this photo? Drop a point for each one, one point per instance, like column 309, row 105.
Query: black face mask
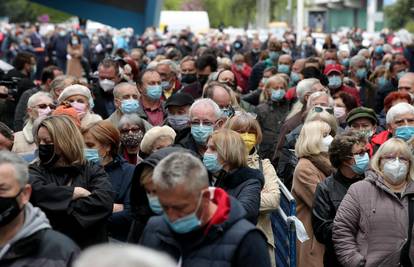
column 9, row 209
column 188, row 78
column 47, row 155
column 202, row 79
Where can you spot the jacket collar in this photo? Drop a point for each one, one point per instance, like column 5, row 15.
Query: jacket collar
column 376, row 179
column 27, row 132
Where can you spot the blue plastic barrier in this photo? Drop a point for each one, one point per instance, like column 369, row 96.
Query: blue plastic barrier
column 284, row 230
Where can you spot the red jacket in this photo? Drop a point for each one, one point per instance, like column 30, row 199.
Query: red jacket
column 379, row 139
column 242, row 76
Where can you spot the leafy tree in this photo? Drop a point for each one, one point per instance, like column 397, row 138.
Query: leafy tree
column 400, row 14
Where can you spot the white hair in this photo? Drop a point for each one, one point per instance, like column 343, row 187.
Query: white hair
column 119, row 86
column 206, row 102
column 19, row 165
column 356, row 60
column 36, row 97
column 317, row 95
column 398, row 110
column 181, row 168
column 304, row 87
column 125, row 255
column 133, row 119
column 174, row 68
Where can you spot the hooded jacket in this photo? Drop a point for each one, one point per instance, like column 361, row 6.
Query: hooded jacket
column 233, row 242
column 37, row 245
column 371, row 224
column 140, row 209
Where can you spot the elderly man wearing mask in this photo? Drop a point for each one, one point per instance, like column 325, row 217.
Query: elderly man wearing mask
column 80, row 98
column 205, row 117
column 400, row 124
column 178, row 118
column 168, row 72
column 39, row 105
column 208, row 217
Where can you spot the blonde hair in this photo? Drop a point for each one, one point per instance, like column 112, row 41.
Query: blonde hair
column 244, row 122
column 230, row 147
column 275, row 78
column 310, row 138
column 66, row 138
column 325, row 117
column 393, row 145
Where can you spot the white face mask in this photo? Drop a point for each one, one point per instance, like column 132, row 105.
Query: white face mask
column 395, row 170
column 106, row 85
column 326, row 142
column 339, row 112
column 44, row 112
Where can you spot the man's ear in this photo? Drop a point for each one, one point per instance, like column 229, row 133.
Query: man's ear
column 220, row 123
column 26, row 193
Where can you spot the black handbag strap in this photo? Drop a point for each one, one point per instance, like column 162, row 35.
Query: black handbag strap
column 405, row 253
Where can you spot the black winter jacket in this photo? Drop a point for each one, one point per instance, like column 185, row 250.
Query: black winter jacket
column 84, row 219
column 328, row 196
column 244, row 184
column 236, row 242
column 140, row 210
column 45, row 248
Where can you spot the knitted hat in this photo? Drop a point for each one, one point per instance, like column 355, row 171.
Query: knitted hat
column 68, row 111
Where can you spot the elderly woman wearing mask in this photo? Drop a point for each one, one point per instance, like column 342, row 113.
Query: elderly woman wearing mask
column 373, row 225
column 39, row 105
column 132, row 129
column 156, row 138
column 80, row 98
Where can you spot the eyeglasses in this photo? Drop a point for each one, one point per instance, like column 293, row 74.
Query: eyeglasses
column 205, row 123
column 133, row 130
column 44, row 106
column 322, row 109
column 402, row 159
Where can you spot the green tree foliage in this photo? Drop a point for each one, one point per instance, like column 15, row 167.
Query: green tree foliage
column 25, row 11
column 400, row 14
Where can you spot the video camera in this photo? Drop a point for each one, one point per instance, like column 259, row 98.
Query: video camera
column 11, row 85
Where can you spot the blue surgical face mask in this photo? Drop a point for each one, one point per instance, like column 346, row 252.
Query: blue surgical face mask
column 334, row 81
column 382, row 81
column 294, row 77
column 345, row 62
column 178, row 122
column 129, row 106
column 361, row 73
column 361, row 163
column 151, row 54
column 400, row 74
column 210, row 160
column 273, row 55
column 277, row 95
column 165, row 85
column 201, row 133
column 154, row 92
column 92, row 155
column 228, row 112
column 154, row 204
column 283, row 68
column 187, row 223
column 368, row 62
column 404, row 132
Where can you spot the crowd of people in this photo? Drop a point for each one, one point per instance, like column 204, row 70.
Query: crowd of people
column 182, row 144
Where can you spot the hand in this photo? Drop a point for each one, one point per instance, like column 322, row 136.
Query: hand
column 80, row 192
column 4, row 90
column 118, row 207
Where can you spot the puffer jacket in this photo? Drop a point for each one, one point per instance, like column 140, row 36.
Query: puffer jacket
column 371, row 225
column 244, row 184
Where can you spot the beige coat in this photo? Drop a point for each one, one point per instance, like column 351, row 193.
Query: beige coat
column 305, row 179
column 24, row 141
column 269, row 198
column 74, row 66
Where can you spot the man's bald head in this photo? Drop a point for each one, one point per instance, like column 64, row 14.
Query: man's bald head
column 406, row 83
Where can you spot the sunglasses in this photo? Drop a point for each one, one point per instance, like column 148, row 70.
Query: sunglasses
column 322, row 109
column 44, row 106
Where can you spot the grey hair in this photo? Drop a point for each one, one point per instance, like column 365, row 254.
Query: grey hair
column 131, row 119
column 237, row 56
column 62, row 81
column 362, row 52
column 206, row 102
column 181, row 168
column 119, row 86
column 35, row 98
column 317, row 95
column 109, row 255
column 398, row 110
column 304, row 87
column 19, row 165
column 356, row 60
column 174, row 68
